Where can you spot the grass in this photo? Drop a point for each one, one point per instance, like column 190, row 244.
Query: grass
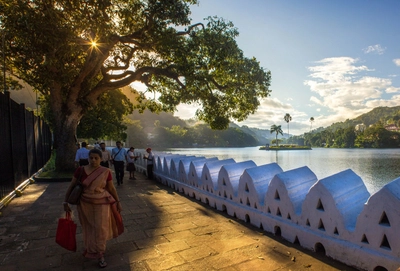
column 49, row 169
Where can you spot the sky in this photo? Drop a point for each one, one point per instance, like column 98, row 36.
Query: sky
column 330, row 60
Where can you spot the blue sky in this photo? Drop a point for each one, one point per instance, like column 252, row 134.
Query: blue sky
column 331, row 60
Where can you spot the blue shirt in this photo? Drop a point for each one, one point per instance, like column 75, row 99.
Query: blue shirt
column 81, row 153
column 119, row 154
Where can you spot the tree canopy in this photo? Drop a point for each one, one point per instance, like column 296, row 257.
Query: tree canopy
column 74, row 51
column 107, row 119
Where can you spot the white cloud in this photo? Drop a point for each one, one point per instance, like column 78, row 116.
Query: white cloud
column 316, row 100
column 374, row 49
column 186, row 111
column 342, row 87
column 396, row 61
column 380, row 102
column 392, row 90
column 272, row 111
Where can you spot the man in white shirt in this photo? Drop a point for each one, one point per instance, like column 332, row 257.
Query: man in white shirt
column 106, row 155
column 131, row 158
column 150, row 163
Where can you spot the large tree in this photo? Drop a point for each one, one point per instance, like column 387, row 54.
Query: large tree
column 107, row 120
column 74, row 51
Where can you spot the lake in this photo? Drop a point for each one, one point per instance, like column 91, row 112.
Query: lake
column 376, row 167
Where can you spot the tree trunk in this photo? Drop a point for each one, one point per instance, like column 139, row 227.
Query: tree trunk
column 66, row 122
column 66, row 146
column 67, row 113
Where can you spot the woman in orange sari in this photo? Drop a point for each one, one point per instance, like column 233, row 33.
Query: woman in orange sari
column 99, row 207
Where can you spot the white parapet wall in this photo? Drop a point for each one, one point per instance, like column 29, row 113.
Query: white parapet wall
column 195, row 171
column 335, row 215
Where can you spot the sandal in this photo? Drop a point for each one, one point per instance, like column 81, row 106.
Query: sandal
column 102, row 262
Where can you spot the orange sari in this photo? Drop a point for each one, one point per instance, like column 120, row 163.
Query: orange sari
column 98, row 213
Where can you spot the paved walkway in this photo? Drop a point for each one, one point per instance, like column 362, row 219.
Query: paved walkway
column 164, row 230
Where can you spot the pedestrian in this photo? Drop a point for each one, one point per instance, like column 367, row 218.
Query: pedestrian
column 150, row 163
column 97, row 145
column 82, row 155
column 131, row 158
column 118, row 156
column 106, row 155
column 99, row 207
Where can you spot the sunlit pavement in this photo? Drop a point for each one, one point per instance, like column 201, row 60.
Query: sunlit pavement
column 164, row 230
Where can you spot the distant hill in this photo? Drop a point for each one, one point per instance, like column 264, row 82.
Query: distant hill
column 382, row 114
column 385, row 115
column 263, row 136
column 148, row 119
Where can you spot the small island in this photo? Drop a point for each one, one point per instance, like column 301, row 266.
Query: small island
column 284, row 147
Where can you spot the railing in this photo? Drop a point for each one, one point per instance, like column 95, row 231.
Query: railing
column 335, row 215
column 25, row 144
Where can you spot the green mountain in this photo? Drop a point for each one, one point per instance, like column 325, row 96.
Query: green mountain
column 385, row 115
column 382, row 114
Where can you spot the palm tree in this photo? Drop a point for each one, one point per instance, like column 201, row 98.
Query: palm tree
column 278, row 130
column 311, row 121
column 288, row 118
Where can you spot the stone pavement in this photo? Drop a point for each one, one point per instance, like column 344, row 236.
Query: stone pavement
column 164, row 230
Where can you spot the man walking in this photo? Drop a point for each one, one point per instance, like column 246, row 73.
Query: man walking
column 131, row 158
column 82, row 156
column 106, row 155
column 118, row 155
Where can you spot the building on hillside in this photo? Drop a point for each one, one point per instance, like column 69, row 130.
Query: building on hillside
column 392, row 127
column 360, row 127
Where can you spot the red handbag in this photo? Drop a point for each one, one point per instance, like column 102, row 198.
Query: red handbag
column 66, row 232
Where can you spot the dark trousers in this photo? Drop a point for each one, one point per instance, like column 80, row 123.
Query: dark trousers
column 119, row 171
column 104, row 164
column 83, row 162
column 150, row 171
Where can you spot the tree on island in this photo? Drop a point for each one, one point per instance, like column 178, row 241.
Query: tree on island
column 278, row 130
column 288, row 118
column 72, row 52
column 311, row 121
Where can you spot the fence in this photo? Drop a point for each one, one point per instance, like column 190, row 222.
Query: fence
column 336, row 215
column 25, row 144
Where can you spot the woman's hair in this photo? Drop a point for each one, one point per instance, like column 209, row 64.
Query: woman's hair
column 96, row 151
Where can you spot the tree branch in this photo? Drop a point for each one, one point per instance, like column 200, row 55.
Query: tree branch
column 143, row 75
column 182, row 33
